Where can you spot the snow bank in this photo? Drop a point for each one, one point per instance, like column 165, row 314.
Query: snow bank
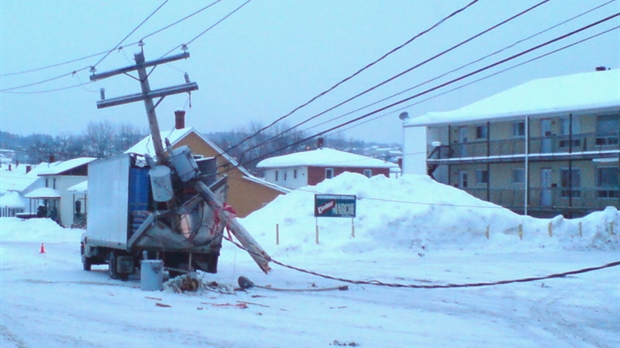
column 418, row 214
column 36, row 230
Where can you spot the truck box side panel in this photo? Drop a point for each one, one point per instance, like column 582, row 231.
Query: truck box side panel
column 108, row 191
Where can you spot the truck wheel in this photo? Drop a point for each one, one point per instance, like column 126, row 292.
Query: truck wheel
column 112, row 265
column 86, row 263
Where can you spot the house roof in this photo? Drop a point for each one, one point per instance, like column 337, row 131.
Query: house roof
column 18, row 180
column 82, row 187
column 43, row 192
column 597, row 90
column 58, row 168
column 145, row 146
column 12, row 200
column 324, row 157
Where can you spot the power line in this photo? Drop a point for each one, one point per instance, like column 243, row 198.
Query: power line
column 44, row 81
column 356, row 73
column 130, row 33
column 443, row 84
column 53, row 65
column 483, row 78
column 394, row 77
column 180, row 20
column 468, row 64
column 208, row 29
column 118, row 47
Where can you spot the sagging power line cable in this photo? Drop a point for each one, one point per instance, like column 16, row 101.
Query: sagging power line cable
column 559, row 38
column 426, row 286
column 354, row 74
column 396, row 76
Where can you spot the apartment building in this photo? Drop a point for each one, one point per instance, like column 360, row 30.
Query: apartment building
column 547, row 147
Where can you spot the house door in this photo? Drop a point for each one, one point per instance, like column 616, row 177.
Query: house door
column 545, row 130
column 545, row 187
column 463, row 141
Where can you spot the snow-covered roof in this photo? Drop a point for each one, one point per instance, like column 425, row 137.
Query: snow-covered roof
column 324, row 157
column 79, row 188
column 597, row 90
column 43, row 192
column 145, row 146
column 60, row 167
column 17, row 179
column 12, row 200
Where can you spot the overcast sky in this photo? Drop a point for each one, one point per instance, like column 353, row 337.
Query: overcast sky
column 272, row 56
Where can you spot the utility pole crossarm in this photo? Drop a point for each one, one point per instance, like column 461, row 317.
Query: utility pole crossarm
column 95, row 77
column 162, row 92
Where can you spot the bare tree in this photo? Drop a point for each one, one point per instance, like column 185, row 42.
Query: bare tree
column 100, row 137
column 127, row 135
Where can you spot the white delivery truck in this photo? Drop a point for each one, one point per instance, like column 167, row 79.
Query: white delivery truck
column 138, row 209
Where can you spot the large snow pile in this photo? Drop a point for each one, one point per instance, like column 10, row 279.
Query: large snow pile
column 418, row 214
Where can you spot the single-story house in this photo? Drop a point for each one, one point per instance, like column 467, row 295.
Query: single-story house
column 311, row 167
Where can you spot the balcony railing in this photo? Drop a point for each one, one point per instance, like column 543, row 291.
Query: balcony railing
column 559, row 198
column 549, row 145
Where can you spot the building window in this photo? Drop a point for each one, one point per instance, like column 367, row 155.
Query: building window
column 285, row 176
column 518, row 176
column 482, row 132
column 518, row 129
column 567, row 128
column 294, row 173
column 607, row 129
column 463, row 179
column 482, row 176
column 329, row 173
column 570, row 183
column 566, row 124
column 277, row 174
column 607, row 182
column 368, row 173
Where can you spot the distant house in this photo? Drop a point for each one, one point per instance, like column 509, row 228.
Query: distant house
column 311, row 167
column 45, row 185
column 246, row 193
column 547, row 147
column 61, row 203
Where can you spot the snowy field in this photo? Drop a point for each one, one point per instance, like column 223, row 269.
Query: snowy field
column 408, row 231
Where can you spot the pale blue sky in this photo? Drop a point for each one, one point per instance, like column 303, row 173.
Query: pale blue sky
column 274, row 55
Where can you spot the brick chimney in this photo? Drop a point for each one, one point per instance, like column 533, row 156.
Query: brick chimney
column 179, row 119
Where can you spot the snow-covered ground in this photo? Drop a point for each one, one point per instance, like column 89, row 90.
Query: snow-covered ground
column 408, row 231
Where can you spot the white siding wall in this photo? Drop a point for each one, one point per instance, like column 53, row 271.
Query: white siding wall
column 414, row 150
column 286, row 177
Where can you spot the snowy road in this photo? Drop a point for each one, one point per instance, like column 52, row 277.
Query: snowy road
column 47, row 300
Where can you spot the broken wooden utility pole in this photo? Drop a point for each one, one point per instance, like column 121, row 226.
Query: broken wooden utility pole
column 147, row 94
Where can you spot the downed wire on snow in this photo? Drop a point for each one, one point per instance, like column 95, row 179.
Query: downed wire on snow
column 441, row 286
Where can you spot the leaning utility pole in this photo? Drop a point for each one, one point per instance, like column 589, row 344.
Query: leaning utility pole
column 147, row 94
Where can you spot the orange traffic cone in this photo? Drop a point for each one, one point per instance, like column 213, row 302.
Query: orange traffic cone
column 42, row 248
